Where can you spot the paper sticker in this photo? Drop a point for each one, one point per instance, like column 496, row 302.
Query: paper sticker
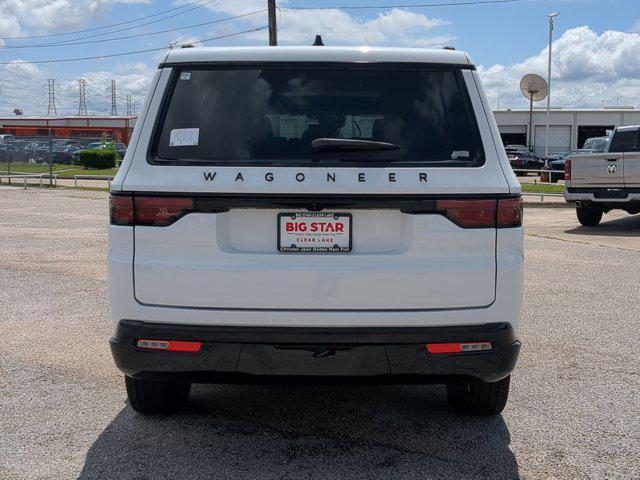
column 184, row 137
column 185, row 76
column 459, row 154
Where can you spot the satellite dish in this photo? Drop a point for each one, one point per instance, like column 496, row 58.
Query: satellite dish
column 534, row 87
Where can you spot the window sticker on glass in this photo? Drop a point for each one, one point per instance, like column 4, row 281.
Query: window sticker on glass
column 459, row 154
column 184, row 137
column 185, row 76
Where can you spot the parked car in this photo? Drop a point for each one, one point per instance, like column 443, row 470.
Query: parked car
column 336, row 249
column 515, row 148
column 524, row 160
column 120, row 148
column 61, row 142
column 559, row 164
column 597, row 144
column 600, row 182
column 65, row 153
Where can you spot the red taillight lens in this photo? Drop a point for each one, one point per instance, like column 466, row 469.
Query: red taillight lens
column 121, row 210
column 169, row 345
column 469, row 213
column 458, row 347
column 509, row 213
column 567, row 170
column 161, row 211
column 150, row 211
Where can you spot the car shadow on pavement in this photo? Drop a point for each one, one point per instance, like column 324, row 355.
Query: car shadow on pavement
column 620, row 227
column 308, row 432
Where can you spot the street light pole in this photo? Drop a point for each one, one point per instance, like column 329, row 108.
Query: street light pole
column 618, row 100
column 546, row 140
column 499, row 98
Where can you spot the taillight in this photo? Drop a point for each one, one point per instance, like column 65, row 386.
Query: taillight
column 469, row 213
column 509, row 213
column 149, row 211
column 482, row 213
column 567, row 170
column 121, row 210
column 161, row 211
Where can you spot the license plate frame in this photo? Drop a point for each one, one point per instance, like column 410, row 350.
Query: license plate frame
column 294, row 248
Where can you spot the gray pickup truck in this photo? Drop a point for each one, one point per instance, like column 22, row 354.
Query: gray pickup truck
column 600, row 182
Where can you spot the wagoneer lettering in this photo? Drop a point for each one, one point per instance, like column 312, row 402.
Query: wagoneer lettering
column 276, row 204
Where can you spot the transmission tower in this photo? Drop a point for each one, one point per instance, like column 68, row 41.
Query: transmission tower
column 114, row 98
column 129, row 106
column 51, row 93
column 82, row 97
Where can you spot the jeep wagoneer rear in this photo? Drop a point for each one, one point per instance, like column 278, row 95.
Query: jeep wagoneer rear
column 315, row 214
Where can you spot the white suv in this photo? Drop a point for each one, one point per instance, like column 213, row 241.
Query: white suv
column 315, row 214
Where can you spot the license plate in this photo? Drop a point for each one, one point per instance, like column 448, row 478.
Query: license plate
column 314, row 232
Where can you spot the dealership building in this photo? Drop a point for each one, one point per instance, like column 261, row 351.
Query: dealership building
column 116, row 128
column 568, row 129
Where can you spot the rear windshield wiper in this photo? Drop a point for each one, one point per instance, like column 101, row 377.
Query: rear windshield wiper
column 320, row 145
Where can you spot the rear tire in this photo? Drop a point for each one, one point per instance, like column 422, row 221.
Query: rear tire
column 478, row 398
column 152, row 397
column 589, row 217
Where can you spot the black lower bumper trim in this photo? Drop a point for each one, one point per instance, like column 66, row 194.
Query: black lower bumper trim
column 311, row 355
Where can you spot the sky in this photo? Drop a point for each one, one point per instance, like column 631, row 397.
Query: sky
column 596, row 48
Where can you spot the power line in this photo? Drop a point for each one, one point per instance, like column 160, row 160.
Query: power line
column 110, row 55
column 67, row 43
column 411, row 5
column 72, row 32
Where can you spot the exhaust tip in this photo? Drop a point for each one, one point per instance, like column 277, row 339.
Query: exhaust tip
column 578, row 203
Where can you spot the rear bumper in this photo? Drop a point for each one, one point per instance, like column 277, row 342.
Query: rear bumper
column 611, row 195
column 284, row 355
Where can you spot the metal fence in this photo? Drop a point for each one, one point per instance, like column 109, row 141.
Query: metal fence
column 38, row 149
column 23, row 179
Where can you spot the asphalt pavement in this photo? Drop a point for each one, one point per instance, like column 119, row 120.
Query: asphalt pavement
column 572, row 412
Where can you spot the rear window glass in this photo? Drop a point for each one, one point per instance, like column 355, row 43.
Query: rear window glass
column 625, row 141
column 257, row 116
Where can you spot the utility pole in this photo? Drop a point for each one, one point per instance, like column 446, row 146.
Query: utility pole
column 82, row 97
column 273, row 29
column 129, row 106
column 51, row 93
column 113, row 96
column 546, row 141
column 50, row 159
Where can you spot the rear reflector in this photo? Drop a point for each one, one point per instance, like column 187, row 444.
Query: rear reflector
column 169, row 345
column 458, row 347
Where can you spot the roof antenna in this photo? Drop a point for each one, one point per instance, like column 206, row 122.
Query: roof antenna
column 318, row 42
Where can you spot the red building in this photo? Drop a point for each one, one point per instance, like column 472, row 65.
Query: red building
column 113, row 128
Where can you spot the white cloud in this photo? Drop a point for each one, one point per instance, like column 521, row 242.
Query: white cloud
column 587, row 68
column 21, row 68
column 19, row 16
column 395, row 27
